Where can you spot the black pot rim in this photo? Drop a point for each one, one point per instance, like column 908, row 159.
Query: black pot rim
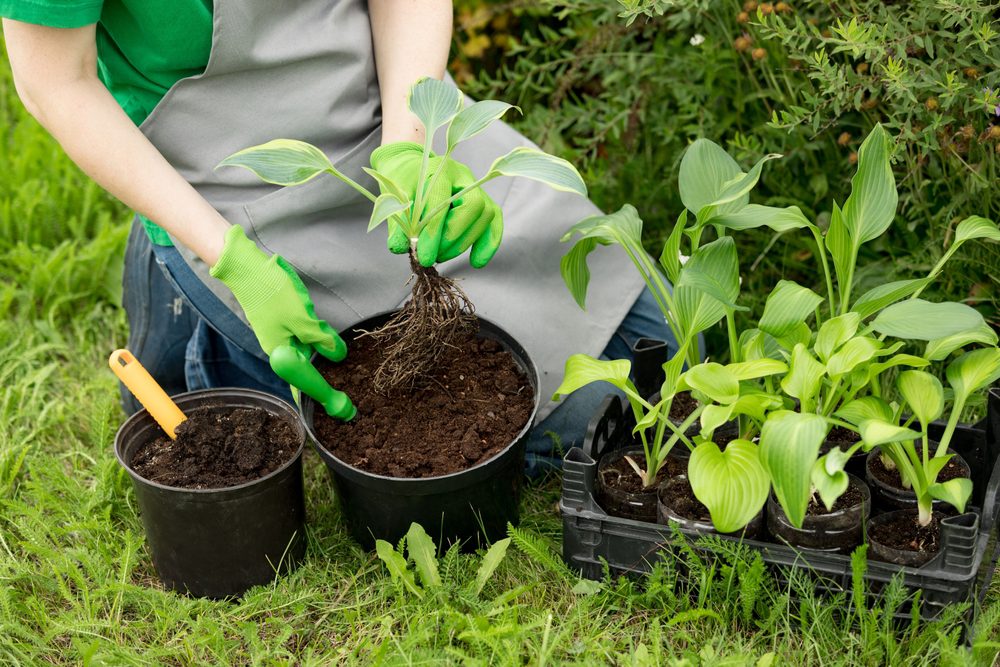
column 208, row 394
column 363, row 476
column 866, row 491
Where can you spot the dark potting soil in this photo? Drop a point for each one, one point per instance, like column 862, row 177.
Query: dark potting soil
column 838, row 437
column 218, row 447
column 952, row 470
column 474, row 405
column 851, row 498
column 682, row 406
column 905, row 533
column 680, row 498
column 621, row 476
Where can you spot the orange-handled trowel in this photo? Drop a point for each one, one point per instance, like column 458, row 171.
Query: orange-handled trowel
column 147, row 391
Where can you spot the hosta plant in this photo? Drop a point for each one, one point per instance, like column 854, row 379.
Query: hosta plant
column 438, row 310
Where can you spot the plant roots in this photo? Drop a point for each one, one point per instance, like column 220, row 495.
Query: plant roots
column 437, row 316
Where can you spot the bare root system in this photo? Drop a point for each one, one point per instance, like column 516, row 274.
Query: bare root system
column 437, row 316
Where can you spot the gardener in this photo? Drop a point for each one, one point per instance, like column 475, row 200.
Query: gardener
column 148, row 97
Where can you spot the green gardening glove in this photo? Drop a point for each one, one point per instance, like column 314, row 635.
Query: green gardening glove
column 281, row 314
column 474, row 221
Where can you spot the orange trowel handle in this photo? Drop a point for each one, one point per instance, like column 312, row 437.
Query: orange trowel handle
column 145, row 388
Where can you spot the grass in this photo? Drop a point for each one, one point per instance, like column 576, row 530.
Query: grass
column 76, row 581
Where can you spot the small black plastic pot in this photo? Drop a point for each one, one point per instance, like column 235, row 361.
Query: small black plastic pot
column 217, row 543
column 884, row 552
column 640, row 505
column 887, row 498
column 836, row 532
column 668, row 515
column 471, row 507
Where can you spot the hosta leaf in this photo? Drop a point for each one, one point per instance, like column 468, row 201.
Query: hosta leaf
column 385, row 205
column 581, row 370
column 870, row 209
column 575, row 272
column 916, row 319
column 758, row 368
column 734, row 193
column 862, row 409
column 281, row 161
column 976, row 227
column 924, row 394
column 972, row 371
column 532, row 163
column 714, row 270
column 853, row 353
column 940, row 348
column 623, row 227
column 387, row 185
column 670, row 256
column 733, row 484
column 835, row 332
column 755, row 215
column 876, row 432
column 955, row 492
column 705, row 169
column 805, row 375
column 714, row 380
column 789, row 443
column 829, row 484
column 475, row 118
column 839, row 243
column 879, row 297
column 695, row 310
column 434, row 102
column 788, row 305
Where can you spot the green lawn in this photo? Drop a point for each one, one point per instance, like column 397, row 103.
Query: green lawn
column 77, row 585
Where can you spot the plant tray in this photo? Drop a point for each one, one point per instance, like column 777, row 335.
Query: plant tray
column 961, row 572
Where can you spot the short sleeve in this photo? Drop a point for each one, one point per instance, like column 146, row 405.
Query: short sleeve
column 53, row 13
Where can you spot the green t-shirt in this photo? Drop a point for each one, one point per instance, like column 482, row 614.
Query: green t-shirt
column 143, row 47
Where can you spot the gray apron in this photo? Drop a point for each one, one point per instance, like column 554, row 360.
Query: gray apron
column 306, row 70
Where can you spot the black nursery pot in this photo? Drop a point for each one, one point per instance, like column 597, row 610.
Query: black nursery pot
column 217, row 543
column 889, row 554
column 639, row 505
column 888, row 498
column 836, row 532
column 472, row 506
column 668, row 515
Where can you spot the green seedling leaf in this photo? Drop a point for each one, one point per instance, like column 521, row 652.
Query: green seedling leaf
column 733, row 484
column 924, row 394
column 670, row 256
column 475, row 118
column 870, row 209
column 714, row 416
column 736, row 192
column 758, row 368
column 955, row 492
column 829, row 481
column 805, row 375
column 582, row 369
column 282, row 161
column 714, row 380
column 916, row 319
column 532, row 163
column 421, row 548
column 434, row 102
column 491, row 561
column 835, row 332
column 801, row 334
column 875, row 369
column 695, row 310
column 705, row 169
column 839, row 243
column 972, row 371
column 714, row 270
column 853, row 353
column 875, row 432
column 650, row 417
column 755, row 215
column 879, row 297
column 385, row 206
column 941, row 348
column 387, row 185
column 396, row 565
column 789, row 443
column 587, row 587
column 575, row 272
column 788, row 306
column 623, row 227
column 975, row 227
column 863, row 409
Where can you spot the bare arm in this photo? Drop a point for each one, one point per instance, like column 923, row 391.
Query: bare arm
column 411, row 39
column 55, row 73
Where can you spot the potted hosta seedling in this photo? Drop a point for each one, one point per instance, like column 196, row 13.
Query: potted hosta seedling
column 445, row 399
column 218, row 480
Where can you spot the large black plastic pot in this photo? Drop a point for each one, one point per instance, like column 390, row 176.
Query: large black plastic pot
column 219, row 542
column 469, row 506
column 836, row 532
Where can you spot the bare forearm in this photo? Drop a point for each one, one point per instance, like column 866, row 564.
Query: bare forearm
column 76, row 108
column 411, row 38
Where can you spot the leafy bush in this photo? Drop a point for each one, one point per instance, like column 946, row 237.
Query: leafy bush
column 623, row 89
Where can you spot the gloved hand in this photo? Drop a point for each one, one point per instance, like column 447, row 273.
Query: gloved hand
column 282, row 316
column 475, row 220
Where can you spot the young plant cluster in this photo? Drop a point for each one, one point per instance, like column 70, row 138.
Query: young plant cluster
column 438, row 312
column 811, row 361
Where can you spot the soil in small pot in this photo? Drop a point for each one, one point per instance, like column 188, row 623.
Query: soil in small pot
column 851, row 498
column 679, row 497
column 620, row 475
column 887, row 488
column 952, row 470
column 620, row 491
column 838, row 530
column 898, row 538
column 682, row 406
column 217, row 448
column 472, row 407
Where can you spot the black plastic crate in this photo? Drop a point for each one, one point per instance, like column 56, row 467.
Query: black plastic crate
column 961, row 572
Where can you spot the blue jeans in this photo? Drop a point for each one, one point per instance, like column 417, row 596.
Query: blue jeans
column 216, row 349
